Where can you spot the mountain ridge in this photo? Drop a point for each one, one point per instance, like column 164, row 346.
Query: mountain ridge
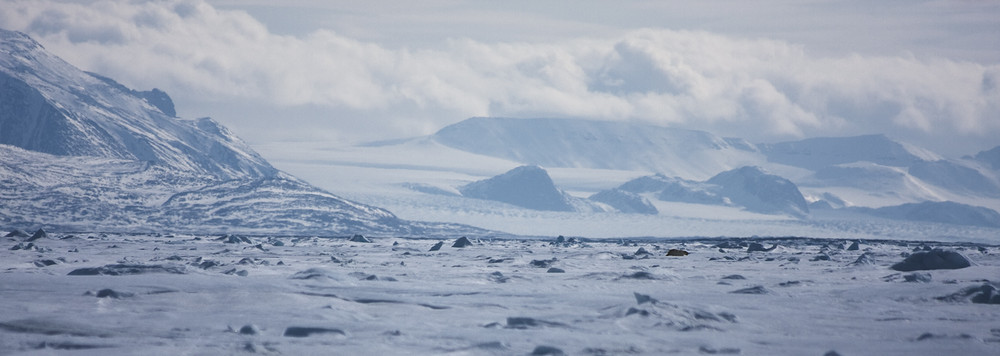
column 50, row 106
column 83, row 152
column 570, row 143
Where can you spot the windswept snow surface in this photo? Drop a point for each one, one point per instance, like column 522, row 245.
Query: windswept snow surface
column 100, row 294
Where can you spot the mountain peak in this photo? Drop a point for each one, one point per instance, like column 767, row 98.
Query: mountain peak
column 10, row 40
column 53, row 107
column 990, row 157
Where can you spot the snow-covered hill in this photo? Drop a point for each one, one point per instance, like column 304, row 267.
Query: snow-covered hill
column 760, row 191
column 82, row 152
column 525, row 186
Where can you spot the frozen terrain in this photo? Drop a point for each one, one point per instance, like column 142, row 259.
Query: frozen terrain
column 171, row 236
column 158, row 294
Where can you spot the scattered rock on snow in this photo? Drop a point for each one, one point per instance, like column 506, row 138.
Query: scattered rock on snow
column 53, row 327
column 113, row 294
column 542, row 263
column 44, row 263
column 752, row 290
column 530, row 323
column 984, row 294
column 759, row 247
column 864, row 260
column 930, row 336
column 639, row 275
column 820, row 257
column 498, row 277
column 921, row 277
column 931, row 260
column 555, row 270
column 547, row 351
column 17, row 233
column 314, row 273
column 126, row 269
column 39, row 234
column 730, row 244
column 233, row 271
column 437, row 246
column 28, row 247
column 305, row 331
column 233, row 239
column 854, row 246
column 643, row 298
column 462, row 242
column 722, row 351
column 360, row 238
column 677, row 252
column 249, row 329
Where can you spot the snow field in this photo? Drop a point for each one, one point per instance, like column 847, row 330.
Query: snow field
column 503, row 296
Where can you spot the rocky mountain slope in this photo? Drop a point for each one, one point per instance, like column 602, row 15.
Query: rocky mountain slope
column 80, row 151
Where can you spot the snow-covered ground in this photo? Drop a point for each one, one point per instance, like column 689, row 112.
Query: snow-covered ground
column 199, row 295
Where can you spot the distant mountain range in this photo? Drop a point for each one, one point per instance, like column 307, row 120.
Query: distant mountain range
column 599, row 144
column 701, row 168
column 83, row 152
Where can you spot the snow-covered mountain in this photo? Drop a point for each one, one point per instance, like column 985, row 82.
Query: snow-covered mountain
column 820, row 152
column 944, row 212
column 52, row 107
column 80, row 151
column 750, row 188
column 759, row 191
column 525, row 186
column 989, row 158
column 599, row 144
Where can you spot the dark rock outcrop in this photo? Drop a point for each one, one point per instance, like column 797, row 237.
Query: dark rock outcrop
column 931, row 260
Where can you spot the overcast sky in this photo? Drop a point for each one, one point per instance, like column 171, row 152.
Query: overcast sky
column 924, row 72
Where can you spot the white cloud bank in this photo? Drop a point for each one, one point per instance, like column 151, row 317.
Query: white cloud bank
column 229, row 64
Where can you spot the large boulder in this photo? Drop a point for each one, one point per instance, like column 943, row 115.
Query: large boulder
column 39, row 234
column 931, row 260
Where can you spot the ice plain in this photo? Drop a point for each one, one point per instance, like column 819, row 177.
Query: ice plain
column 186, row 294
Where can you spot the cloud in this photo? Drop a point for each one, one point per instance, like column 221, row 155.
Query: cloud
column 761, row 89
